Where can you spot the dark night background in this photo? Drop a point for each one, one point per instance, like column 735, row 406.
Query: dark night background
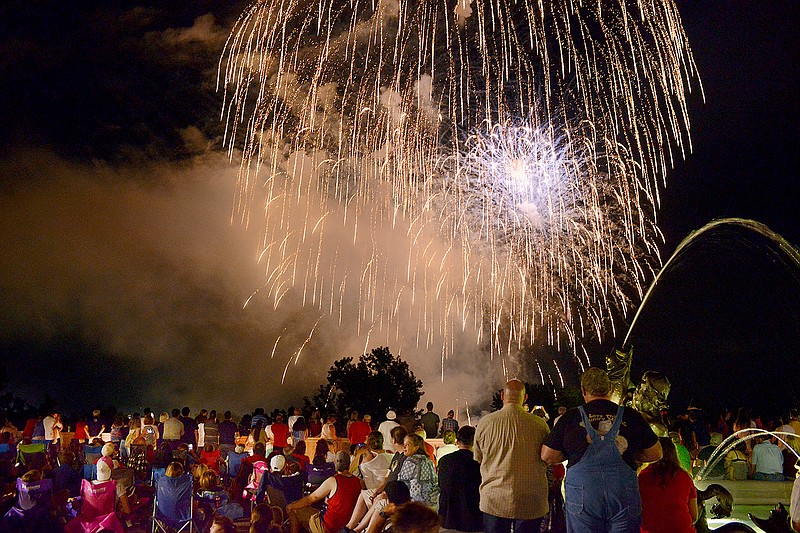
column 115, row 202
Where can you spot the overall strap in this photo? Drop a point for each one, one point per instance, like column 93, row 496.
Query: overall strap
column 617, row 423
column 593, row 435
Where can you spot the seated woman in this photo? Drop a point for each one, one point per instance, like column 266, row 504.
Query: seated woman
column 372, row 470
column 378, row 499
column 299, row 454
column 197, row 470
column 212, row 499
column 323, row 449
column 418, row 472
column 174, row 469
column 669, row 498
column 736, row 465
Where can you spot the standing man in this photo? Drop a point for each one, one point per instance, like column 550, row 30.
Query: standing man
column 173, row 428
column 508, row 446
column 459, row 486
column 450, row 422
column 228, row 432
column 358, row 431
column 603, row 442
column 386, row 426
column 430, row 421
column 189, row 429
column 280, row 432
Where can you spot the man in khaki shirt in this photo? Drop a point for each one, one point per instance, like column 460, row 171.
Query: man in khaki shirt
column 508, row 445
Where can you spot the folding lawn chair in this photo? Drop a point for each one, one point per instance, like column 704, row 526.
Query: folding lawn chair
column 235, row 463
column 259, row 467
column 30, row 456
column 172, row 507
column 98, row 509
column 32, row 511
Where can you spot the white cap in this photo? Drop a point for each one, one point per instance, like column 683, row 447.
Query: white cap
column 277, row 463
column 108, row 449
column 391, row 415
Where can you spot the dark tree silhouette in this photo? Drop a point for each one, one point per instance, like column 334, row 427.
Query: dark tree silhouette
column 378, row 382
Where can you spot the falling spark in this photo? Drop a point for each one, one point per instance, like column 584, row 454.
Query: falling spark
column 519, row 146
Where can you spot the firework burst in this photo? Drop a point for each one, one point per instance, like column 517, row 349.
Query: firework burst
column 519, row 145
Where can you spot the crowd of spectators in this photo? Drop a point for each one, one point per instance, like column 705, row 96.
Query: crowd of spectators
column 299, row 471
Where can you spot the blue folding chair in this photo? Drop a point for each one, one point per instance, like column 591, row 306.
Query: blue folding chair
column 89, row 472
column 172, row 505
column 91, row 454
column 235, row 463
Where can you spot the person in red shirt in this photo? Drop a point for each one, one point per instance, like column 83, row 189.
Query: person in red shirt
column 280, row 432
column 80, row 431
column 669, row 498
column 340, row 491
column 30, row 425
column 358, row 431
column 259, row 451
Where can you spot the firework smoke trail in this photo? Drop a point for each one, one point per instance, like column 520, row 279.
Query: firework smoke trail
column 520, row 145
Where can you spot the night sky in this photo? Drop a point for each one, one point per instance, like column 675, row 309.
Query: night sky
column 122, row 277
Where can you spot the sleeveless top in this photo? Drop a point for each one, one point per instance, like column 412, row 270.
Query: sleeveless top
column 340, row 506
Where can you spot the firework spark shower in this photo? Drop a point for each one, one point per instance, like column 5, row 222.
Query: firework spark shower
column 519, row 145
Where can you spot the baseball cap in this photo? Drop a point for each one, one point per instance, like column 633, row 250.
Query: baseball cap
column 277, row 463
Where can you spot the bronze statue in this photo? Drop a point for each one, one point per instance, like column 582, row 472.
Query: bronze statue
column 649, row 397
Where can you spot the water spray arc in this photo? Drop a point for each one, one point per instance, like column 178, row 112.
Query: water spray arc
column 781, row 253
column 515, row 148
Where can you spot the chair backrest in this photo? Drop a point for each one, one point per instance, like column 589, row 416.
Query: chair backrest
column 316, row 474
column 90, row 472
column 32, row 456
column 31, row 448
column 235, row 462
column 180, row 456
column 174, row 499
column 91, row 454
column 99, row 499
column 215, row 499
column 29, row 495
column 210, row 459
column 259, row 467
column 124, row 477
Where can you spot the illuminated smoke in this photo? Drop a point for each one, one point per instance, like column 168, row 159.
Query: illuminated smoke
column 519, row 145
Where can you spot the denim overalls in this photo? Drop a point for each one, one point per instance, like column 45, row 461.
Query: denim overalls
column 602, row 491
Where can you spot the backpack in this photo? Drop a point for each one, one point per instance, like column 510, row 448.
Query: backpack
column 737, row 469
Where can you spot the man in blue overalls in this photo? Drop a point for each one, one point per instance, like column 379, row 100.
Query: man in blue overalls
column 603, row 442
